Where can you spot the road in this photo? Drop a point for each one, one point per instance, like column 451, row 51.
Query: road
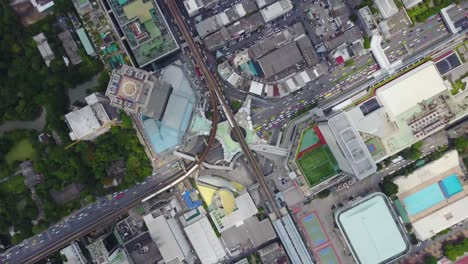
column 213, row 87
column 103, row 211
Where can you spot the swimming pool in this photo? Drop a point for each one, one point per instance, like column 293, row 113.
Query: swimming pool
column 451, row 185
column 424, row 199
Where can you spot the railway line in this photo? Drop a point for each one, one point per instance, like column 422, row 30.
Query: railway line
column 214, row 88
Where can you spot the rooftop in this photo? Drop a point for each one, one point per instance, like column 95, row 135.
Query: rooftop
column 207, row 246
column 423, row 83
column 372, row 231
column 348, row 142
column 175, row 110
column 145, row 28
column 168, row 237
column 276, row 10
column 70, row 47
column 88, row 122
column 281, row 59
column 44, row 48
column 387, row 8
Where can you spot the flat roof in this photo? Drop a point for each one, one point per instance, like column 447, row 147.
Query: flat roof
column 428, row 172
column 386, row 7
column 372, row 231
column 85, row 42
column 352, row 146
column 280, row 59
column 441, row 219
column 204, row 241
column 276, row 10
column 168, row 236
column 245, row 208
column 405, row 92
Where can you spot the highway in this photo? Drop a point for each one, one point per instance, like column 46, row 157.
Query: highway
column 213, row 87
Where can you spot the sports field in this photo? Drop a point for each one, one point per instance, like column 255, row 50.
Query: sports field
column 327, row 255
column 318, row 164
column 308, row 139
column 314, row 230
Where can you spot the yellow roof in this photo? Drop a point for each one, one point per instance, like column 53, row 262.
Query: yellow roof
column 239, row 187
column 227, row 200
column 139, row 9
column 206, row 193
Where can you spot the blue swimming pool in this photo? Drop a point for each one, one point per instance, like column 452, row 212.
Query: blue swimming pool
column 423, row 199
column 451, row 185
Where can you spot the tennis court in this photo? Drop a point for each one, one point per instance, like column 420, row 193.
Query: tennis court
column 318, row 165
column 327, row 255
column 314, row 230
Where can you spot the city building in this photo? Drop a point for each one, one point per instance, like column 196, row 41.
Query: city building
column 367, row 20
column 44, row 48
column 42, row 5
column 82, row 6
column 395, row 24
column 205, row 242
column 347, row 146
column 228, row 203
column 372, row 230
column 280, row 60
column 73, row 254
column 379, row 53
column 93, row 120
column 169, row 238
column 410, row 3
column 85, row 42
column 394, row 119
column 292, row 241
column 163, row 105
column 106, row 250
column 70, row 47
column 434, row 197
column 387, row 8
column 276, row 10
column 193, row 7
column 225, row 18
column 144, row 30
column 456, row 21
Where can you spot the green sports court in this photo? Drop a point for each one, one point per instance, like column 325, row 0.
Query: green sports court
column 318, row 165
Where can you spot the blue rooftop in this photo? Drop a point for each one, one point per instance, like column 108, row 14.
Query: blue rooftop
column 190, row 204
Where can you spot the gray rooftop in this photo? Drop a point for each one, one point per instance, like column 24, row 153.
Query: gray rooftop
column 281, row 59
column 229, row 16
column 70, row 47
column 350, row 145
column 307, row 49
column 263, row 47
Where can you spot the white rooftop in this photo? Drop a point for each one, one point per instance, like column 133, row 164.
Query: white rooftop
column 405, row 92
column 84, row 121
column 386, row 7
column 441, row 219
column 428, row 172
column 256, row 88
column 245, row 209
column 276, row 10
column 204, row 241
column 168, row 237
column 371, row 231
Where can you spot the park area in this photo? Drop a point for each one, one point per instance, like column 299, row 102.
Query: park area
column 21, row 151
column 314, row 157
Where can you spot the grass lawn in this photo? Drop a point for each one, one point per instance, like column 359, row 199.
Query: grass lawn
column 23, row 150
column 318, row 165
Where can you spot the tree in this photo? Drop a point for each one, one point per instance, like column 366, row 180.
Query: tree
column 323, row 194
column 389, row 188
column 353, row 17
column 429, row 259
column 461, row 144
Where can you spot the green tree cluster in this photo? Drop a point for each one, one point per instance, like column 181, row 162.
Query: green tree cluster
column 388, row 187
column 429, row 259
column 413, row 152
column 461, row 144
column 26, row 83
column 454, row 250
column 428, row 8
